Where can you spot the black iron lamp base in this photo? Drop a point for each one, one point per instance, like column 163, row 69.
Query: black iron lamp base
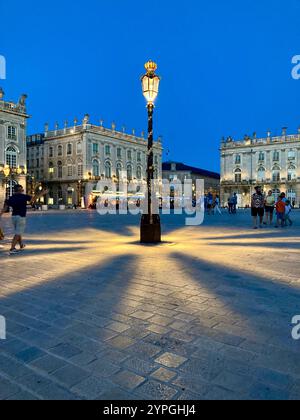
column 150, row 229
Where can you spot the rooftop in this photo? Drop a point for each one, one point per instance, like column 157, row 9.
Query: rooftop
column 167, row 166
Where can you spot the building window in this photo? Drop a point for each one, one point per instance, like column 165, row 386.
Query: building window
column 292, row 195
column 107, row 170
column 107, row 150
column 276, row 174
column 95, row 148
column 261, row 174
column 119, row 170
column 96, row 168
column 11, row 157
column 292, row 173
column 261, row 157
column 11, row 133
column 276, row 156
column 139, row 172
column 156, row 160
column 291, row 155
column 139, row 156
column 70, row 170
column 59, row 151
column 50, row 152
column 238, row 159
column 80, row 169
column 119, row 153
column 276, row 194
column 51, row 170
column 59, row 170
column 238, row 176
column 79, row 147
column 129, row 155
column 129, row 172
column 69, row 149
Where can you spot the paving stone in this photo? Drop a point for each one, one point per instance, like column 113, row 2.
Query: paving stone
column 153, row 390
column 30, row 354
column 70, row 375
column 142, row 315
column 12, row 368
column 48, row 363
column 65, row 350
column 7, row 389
column 144, row 350
column 263, row 392
column 102, row 367
column 91, row 387
column 142, row 367
column 171, row 360
column 23, row 396
column 128, row 380
column 163, row 375
column 121, row 342
column 118, row 327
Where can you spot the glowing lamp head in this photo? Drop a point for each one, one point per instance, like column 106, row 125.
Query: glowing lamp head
column 150, row 82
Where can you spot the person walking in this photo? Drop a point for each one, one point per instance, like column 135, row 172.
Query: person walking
column 288, row 210
column 234, row 203
column 210, row 201
column 269, row 208
column 18, row 203
column 217, row 206
column 258, row 207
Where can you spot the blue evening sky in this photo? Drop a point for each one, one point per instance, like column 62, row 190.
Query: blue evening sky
column 225, row 66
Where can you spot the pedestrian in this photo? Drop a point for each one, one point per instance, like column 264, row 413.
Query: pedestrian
column 269, row 208
column 217, row 205
column 288, row 210
column 280, row 211
column 234, row 203
column 258, row 207
column 18, row 202
column 210, row 202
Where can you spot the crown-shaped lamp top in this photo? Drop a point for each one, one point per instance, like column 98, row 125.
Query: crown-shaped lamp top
column 150, row 66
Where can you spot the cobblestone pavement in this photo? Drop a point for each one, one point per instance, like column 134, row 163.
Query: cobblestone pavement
column 92, row 314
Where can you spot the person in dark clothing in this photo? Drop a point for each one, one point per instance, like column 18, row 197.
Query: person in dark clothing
column 18, row 203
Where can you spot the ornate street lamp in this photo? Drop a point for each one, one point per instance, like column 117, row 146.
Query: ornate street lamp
column 150, row 223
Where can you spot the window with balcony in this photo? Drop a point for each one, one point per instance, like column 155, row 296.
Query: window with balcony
column 70, row 170
column 50, row 152
column 261, row 157
column 292, row 173
column 59, row 170
column 108, row 170
column 129, row 154
column 119, row 153
column 238, row 176
column 139, row 156
column 129, row 172
column 96, row 168
column 276, row 177
column 11, row 157
column 261, row 174
column 80, row 169
column 107, row 150
column 139, row 173
column 51, row 170
column 69, row 149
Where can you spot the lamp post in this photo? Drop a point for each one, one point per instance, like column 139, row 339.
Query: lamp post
column 150, row 223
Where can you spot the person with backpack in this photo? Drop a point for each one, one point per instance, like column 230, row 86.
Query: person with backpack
column 258, row 207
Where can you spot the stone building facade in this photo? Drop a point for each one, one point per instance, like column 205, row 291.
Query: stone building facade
column 179, row 171
column 271, row 162
column 71, row 161
column 13, row 123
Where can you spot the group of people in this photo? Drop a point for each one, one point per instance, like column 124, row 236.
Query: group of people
column 212, row 204
column 263, row 208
